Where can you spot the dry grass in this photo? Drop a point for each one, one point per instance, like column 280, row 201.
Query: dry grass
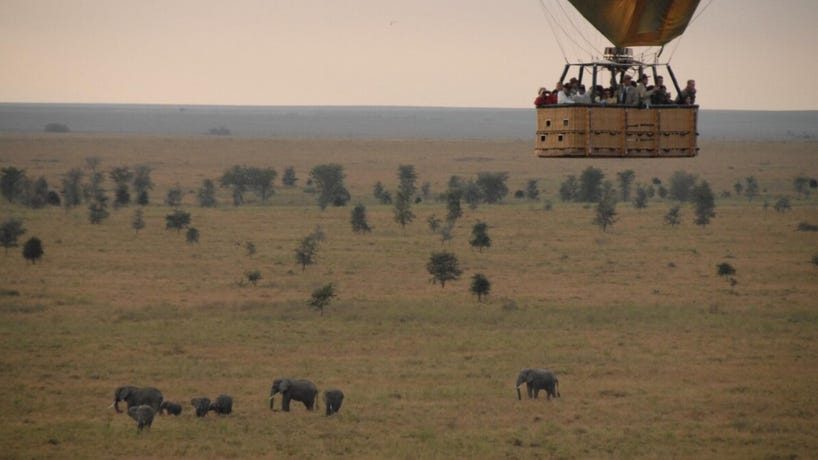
column 657, row 356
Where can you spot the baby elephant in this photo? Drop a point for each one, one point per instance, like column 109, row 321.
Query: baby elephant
column 202, row 406
column 143, row 415
column 332, row 400
column 223, row 405
column 170, row 407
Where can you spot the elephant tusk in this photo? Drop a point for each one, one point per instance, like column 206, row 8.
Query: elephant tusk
column 271, row 397
column 112, row 405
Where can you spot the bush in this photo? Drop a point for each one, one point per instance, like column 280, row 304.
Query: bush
column 33, row 249
column 807, row 227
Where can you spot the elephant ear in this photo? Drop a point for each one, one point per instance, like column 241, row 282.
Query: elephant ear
column 282, row 387
column 122, row 393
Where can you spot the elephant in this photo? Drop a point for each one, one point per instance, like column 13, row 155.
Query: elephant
column 223, row 405
column 332, row 400
column 536, row 380
column 143, row 414
column 170, row 407
column 134, row 396
column 202, row 406
column 297, row 389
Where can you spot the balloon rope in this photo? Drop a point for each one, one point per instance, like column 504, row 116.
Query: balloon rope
column 549, row 17
column 679, row 40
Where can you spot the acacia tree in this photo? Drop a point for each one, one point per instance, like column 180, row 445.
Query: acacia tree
column 625, row 180
column 307, row 251
column 174, row 196
column 480, row 237
column 641, row 199
column 322, row 297
column 142, row 184
column 531, row 191
column 329, row 181
column 605, row 213
column 192, row 235
column 480, row 286
column 674, row 216
column 407, row 177
column 443, row 266
column 10, row 230
column 122, row 176
column 33, row 249
column 138, row 222
column 590, row 185
column 288, row 179
column 403, row 209
column 493, row 185
column 177, row 220
column 453, row 209
column 207, row 194
column 12, row 183
column 358, row 219
column 704, row 203
column 72, row 188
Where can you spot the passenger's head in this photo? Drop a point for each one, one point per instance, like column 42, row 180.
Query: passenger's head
column 691, row 84
column 660, row 80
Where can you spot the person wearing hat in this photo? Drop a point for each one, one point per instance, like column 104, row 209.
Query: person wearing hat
column 626, row 93
column 688, row 95
column 644, row 92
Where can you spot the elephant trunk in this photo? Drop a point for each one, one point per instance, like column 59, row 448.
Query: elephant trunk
column 519, row 395
column 116, row 406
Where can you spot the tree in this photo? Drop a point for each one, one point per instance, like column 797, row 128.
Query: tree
column 641, row 199
column 12, row 183
column 480, row 237
column 445, row 232
column 174, row 196
column 10, row 230
column 403, row 209
column 605, row 213
column 801, row 186
column 426, row 190
column 738, row 187
column 358, row 219
column 725, row 269
column 138, row 222
column 782, row 205
column 142, row 184
column 407, row 177
column 443, row 266
column 94, row 189
column 704, row 203
column 569, row 189
column 625, row 180
column 288, row 179
column 480, row 286
column 122, row 176
column 434, row 223
column 192, row 235
column 72, row 188
column 681, row 184
column 590, row 185
column 33, row 249
column 306, row 252
column 674, row 216
column 253, row 276
column 751, row 190
column 493, row 186
column 329, row 180
column 177, row 220
column 260, row 181
column 531, row 191
column 98, row 209
column 453, row 209
column 37, row 195
column 207, row 194
column 250, row 247
column 471, row 193
column 322, row 297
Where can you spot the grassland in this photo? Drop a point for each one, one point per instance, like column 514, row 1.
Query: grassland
column 657, row 356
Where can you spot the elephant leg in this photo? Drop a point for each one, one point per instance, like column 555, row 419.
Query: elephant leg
column 285, row 403
column 536, row 392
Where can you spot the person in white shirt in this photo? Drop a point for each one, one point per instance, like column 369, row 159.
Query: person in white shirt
column 564, row 96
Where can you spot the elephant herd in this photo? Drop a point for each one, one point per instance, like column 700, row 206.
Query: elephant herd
column 144, row 403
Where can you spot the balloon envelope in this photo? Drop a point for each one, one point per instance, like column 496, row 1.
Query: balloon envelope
column 638, row 22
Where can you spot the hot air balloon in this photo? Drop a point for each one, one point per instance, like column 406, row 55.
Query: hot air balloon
column 590, row 127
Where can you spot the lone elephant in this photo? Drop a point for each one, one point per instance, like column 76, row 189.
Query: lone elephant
column 536, row 380
column 135, row 396
column 293, row 389
column 143, row 414
column 333, row 400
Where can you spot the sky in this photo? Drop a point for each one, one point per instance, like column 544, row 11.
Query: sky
column 743, row 54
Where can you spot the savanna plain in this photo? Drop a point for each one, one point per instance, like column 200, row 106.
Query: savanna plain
column 657, row 355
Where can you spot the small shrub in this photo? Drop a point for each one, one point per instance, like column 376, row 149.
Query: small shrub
column 33, row 249
column 724, row 269
column 807, row 227
column 192, row 235
column 253, row 276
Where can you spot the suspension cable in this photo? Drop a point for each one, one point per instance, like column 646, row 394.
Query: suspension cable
column 679, row 40
column 578, row 31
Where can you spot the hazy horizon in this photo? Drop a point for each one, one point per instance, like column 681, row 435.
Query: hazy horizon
column 421, row 53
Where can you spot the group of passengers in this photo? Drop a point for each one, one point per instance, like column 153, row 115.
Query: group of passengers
column 628, row 93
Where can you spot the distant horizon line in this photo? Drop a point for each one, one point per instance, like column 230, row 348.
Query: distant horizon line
column 332, row 106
